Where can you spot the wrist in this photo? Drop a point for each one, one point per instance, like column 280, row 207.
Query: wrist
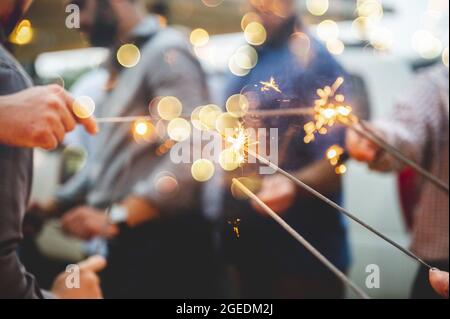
column 118, row 215
column 139, row 211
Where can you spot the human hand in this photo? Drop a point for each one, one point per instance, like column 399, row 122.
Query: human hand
column 86, row 223
column 39, row 117
column 439, row 282
column 89, row 283
column 278, row 192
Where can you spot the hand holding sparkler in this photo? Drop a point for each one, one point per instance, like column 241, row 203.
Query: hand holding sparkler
column 278, row 192
column 330, row 109
column 40, row 117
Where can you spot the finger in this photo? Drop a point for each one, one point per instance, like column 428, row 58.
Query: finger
column 439, row 282
column 68, row 118
column 89, row 123
column 49, row 142
column 59, row 131
column 94, row 263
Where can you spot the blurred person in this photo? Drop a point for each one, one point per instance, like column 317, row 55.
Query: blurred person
column 419, row 127
column 160, row 244
column 29, row 117
column 270, row 263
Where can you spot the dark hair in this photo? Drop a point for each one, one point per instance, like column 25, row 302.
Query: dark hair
column 160, row 7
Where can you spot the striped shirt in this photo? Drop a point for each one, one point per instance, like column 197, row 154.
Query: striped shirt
column 419, row 127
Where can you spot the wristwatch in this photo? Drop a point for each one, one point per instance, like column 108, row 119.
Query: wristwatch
column 118, row 215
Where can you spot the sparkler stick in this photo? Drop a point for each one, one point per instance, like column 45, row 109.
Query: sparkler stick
column 261, row 113
column 330, row 109
column 363, row 130
column 283, row 112
column 301, row 240
column 126, row 119
column 336, row 206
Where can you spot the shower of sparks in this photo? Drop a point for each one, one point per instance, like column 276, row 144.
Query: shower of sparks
column 240, row 142
column 235, row 224
column 334, row 154
column 271, row 85
column 329, row 109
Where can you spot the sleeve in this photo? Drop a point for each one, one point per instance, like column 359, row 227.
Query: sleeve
column 412, row 124
column 175, row 73
column 15, row 281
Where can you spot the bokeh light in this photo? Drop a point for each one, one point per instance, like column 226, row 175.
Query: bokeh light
column 248, row 18
column 226, row 124
column 445, row 57
column 199, row 37
column 328, row 30
column 169, row 108
column 255, row 33
column 23, row 33
column 208, row 116
column 202, row 170
column 83, row 107
column 317, row 7
column 128, row 55
column 237, row 105
column 230, row 160
column 426, row 44
column 179, row 129
column 335, row 46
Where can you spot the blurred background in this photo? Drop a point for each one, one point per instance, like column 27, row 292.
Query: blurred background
column 381, row 44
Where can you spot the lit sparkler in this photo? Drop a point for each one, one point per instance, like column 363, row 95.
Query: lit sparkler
column 270, row 85
column 301, row 240
column 330, row 109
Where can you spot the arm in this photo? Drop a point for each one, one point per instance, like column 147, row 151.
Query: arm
column 184, row 79
column 415, row 121
column 38, row 117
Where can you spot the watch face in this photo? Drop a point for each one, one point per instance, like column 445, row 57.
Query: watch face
column 118, row 214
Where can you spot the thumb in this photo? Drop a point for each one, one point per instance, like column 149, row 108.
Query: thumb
column 439, row 282
column 94, row 264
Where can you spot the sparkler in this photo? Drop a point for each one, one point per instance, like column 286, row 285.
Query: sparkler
column 125, row 119
column 330, row 109
column 235, row 224
column 336, row 206
column 362, row 129
column 270, row 85
column 301, row 240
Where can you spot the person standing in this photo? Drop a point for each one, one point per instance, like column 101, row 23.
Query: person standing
column 419, row 127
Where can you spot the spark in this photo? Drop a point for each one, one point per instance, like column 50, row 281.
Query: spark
column 334, row 155
column 329, row 109
column 235, row 224
column 270, row 85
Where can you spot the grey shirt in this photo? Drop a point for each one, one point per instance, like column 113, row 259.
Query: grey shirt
column 15, row 185
column 120, row 167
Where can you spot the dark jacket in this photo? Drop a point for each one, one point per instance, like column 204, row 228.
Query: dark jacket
column 15, row 185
